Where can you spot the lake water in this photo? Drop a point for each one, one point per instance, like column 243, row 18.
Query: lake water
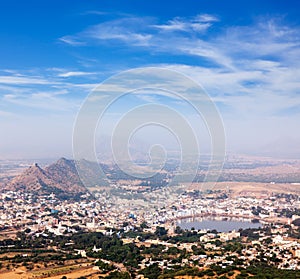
column 221, row 225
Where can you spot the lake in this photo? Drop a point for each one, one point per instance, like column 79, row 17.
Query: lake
column 221, row 225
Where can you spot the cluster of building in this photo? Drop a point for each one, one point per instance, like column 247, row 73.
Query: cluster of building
column 47, row 212
column 48, row 215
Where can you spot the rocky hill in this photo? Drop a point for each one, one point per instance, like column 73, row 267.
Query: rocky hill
column 60, row 178
column 65, row 176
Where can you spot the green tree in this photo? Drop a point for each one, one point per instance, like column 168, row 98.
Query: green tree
column 161, row 231
column 118, row 275
column 152, row 271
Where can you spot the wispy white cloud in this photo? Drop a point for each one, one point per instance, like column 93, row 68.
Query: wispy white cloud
column 244, row 92
column 22, row 80
column 129, row 30
column 138, row 31
column 72, row 40
column 146, row 33
column 42, row 101
column 199, row 23
column 206, row 18
column 75, row 74
column 172, row 25
column 179, row 25
column 227, row 47
column 47, row 91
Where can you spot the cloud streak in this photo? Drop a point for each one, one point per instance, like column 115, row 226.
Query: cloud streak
column 27, row 92
column 21, row 80
column 196, row 24
column 74, row 74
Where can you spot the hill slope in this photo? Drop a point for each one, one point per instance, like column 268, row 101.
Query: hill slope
column 60, row 178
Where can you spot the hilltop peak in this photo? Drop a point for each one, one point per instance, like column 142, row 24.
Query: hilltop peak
column 35, row 168
column 64, row 162
column 63, row 159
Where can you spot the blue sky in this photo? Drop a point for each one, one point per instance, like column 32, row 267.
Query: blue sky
column 244, row 53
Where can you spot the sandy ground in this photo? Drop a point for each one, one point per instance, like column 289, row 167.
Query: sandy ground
column 20, row 273
column 250, row 188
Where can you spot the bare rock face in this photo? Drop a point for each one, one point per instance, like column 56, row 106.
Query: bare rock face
column 61, row 178
column 32, row 179
column 65, row 176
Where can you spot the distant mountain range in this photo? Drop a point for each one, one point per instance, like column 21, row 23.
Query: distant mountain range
column 60, row 178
